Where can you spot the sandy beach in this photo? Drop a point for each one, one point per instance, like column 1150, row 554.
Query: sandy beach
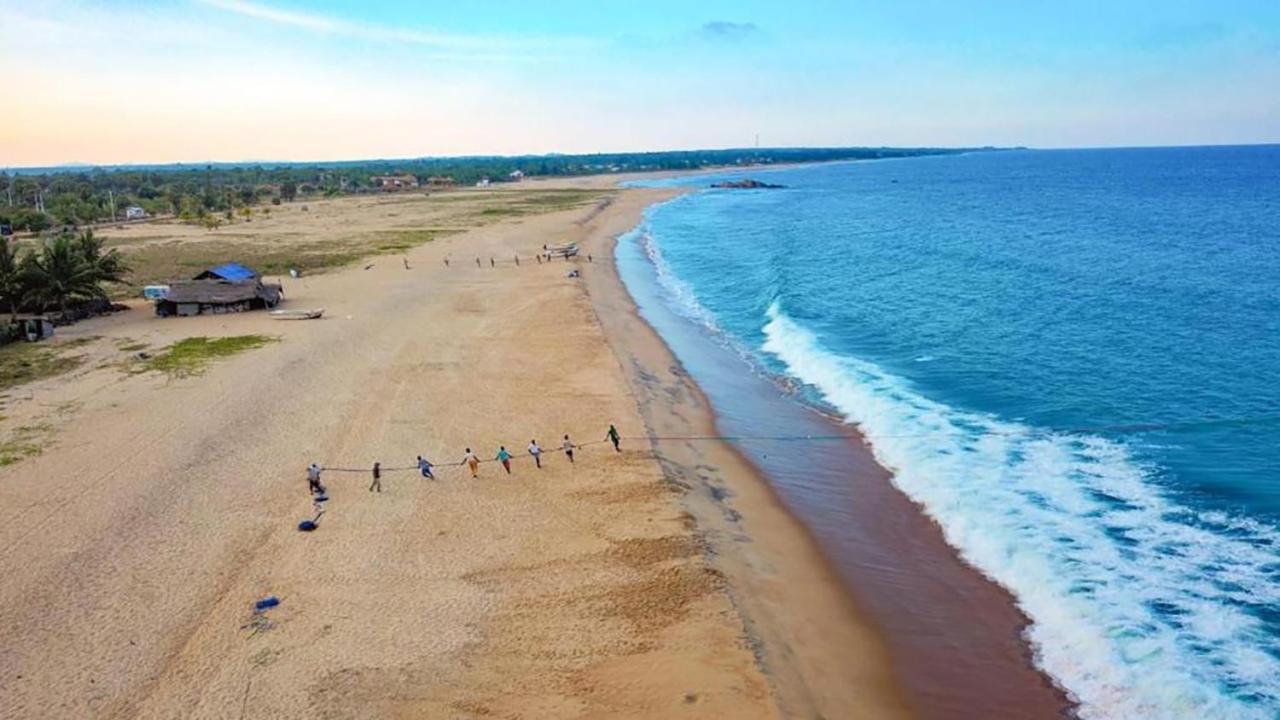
column 161, row 508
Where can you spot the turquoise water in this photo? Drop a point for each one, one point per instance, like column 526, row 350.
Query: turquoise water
column 988, row 320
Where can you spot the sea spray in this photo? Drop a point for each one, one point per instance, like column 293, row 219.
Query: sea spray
column 1138, row 606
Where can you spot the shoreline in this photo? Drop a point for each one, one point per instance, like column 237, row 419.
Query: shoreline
column 1002, row 680
column 663, row 581
column 822, row 658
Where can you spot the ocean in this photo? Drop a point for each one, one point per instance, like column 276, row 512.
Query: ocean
column 1069, row 359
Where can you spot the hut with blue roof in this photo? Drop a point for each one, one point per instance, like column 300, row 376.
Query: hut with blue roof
column 227, row 288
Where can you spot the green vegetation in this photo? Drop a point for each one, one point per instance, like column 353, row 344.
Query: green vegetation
column 156, row 261
column 191, row 356
column 401, row 240
column 22, row 362
column 25, row 441
column 61, row 271
column 207, row 194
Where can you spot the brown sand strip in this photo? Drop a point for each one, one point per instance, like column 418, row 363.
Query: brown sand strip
column 823, row 658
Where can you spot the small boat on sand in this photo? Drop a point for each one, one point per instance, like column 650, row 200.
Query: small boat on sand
column 564, row 251
column 297, row 314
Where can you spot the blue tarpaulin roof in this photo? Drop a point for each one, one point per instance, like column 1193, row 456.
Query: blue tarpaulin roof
column 230, row 271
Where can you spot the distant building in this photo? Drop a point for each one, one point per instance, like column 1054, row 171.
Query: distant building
column 482, row 182
column 440, row 181
column 394, row 182
column 515, row 176
column 133, row 212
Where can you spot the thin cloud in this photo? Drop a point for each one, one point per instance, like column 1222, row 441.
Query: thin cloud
column 726, row 30
column 329, row 25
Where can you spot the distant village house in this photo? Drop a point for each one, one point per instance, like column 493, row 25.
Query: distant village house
column 394, row 182
column 133, row 212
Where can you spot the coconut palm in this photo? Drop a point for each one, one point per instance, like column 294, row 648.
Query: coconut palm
column 58, row 274
column 109, row 266
column 13, row 283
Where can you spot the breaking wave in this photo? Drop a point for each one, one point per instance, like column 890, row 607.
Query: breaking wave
column 1140, row 607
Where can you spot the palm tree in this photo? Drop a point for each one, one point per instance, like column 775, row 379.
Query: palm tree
column 59, row 273
column 108, row 266
column 12, row 280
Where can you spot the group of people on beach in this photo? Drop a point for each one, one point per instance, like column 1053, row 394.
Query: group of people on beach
column 469, row 459
column 493, row 262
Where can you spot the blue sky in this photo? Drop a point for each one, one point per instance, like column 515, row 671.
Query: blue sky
column 143, row 81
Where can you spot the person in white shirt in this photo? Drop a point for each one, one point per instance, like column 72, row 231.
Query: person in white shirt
column 472, row 462
column 313, row 479
column 568, row 448
column 536, row 452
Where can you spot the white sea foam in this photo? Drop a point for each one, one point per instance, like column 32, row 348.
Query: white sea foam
column 678, row 292
column 1138, row 605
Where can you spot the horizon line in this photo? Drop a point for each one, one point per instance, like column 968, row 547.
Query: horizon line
column 76, row 165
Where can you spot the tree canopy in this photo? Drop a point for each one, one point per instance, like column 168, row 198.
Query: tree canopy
column 35, row 200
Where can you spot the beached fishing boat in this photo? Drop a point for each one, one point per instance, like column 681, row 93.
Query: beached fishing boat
column 297, row 314
column 565, row 251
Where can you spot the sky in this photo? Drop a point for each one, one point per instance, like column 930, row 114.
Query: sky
column 143, row 81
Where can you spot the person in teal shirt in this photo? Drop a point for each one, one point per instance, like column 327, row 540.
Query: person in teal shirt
column 505, row 458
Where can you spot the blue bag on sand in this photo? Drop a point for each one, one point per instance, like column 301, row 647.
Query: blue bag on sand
column 267, row 602
column 307, row 525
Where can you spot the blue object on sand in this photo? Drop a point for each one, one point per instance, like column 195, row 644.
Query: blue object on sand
column 267, row 602
column 307, row 525
column 322, row 498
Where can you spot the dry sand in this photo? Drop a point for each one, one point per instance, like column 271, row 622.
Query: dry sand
column 133, row 548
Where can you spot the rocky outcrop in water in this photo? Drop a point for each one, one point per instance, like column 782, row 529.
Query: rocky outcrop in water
column 746, row 185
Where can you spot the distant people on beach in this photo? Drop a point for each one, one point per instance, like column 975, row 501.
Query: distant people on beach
column 504, row 457
column 536, row 452
column 613, row 437
column 313, row 479
column 377, row 478
column 568, row 448
column 472, row 462
column 424, row 465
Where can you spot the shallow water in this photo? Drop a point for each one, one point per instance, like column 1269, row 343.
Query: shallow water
column 988, row 321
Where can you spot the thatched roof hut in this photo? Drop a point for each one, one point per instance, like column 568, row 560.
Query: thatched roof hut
column 193, row 297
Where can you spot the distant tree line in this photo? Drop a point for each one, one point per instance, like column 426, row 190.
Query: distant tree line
column 53, row 198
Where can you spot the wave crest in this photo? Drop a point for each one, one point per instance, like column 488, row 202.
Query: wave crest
column 1140, row 608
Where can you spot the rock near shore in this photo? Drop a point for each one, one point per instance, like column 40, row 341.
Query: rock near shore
column 746, row 185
